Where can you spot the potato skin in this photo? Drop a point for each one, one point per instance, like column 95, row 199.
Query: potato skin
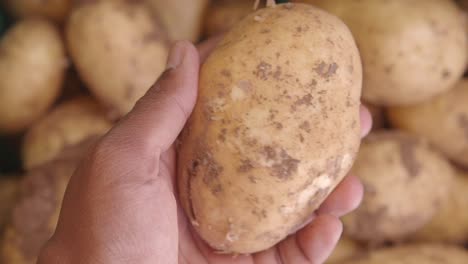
column 283, row 82
column 223, row 14
column 450, row 224
column 36, row 212
column 405, row 183
column 118, row 66
column 56, row 10
column 182, row 19
column 32, row 69
column 415, row 254
column 443, row 120
column 68, row 124
column 411, row 50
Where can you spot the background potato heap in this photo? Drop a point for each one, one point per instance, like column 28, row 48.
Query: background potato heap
column 67, row 75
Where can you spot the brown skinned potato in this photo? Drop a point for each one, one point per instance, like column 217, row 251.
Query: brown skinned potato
column 442, row 120
column 32, row 69
column 56, row 10
column 405, row 183
column 36, row 212
column 268, row 95
column 68, row 124
column 181, row 18
column 411, row 50
column 415, row 254
column 118, row 66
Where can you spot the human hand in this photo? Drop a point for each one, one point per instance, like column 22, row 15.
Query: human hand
column 121, row 204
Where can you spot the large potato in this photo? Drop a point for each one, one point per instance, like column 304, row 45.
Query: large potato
column 405, row 182
column 119, row 50
column 182, row 19
column 56, row 10
column 223, row 14
column 36, row 212
column 415, row 254
column 68, row 124
column 275, row 129
column 450, row 224
column 442, row 120
column 32, row 69
column 411, row 50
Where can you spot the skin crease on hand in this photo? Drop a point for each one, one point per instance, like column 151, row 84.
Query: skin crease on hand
column 121, row 205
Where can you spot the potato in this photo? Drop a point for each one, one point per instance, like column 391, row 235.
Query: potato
column 68, row 124
column 56, row 10
column 32, row 69
column 223, row 14
column 119, row 50
column 411, row 50
column 405, row 182
column 36, row 212
column 415, row 254
column 450, row 224
column 8, row 196
column 346, row 249
column 182, row 19
column 275, row 128
column 442, row 120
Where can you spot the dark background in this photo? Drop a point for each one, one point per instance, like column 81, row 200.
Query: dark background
column 9, row 146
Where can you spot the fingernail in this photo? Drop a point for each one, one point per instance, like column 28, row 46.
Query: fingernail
column 176, row 55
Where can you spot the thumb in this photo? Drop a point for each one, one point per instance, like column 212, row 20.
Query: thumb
column 159, row 116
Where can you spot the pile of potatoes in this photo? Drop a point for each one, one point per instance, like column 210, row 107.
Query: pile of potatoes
column 66, row 77
column 276, row 125
column 414, row 164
